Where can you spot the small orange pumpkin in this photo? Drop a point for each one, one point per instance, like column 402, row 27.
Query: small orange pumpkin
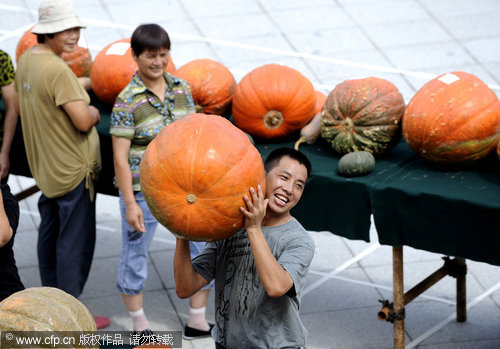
column 320, row 101
column 44, row 309
column 211, row 83
column 453, row 119
column 194, row 175
column 273, row 101
column 80, row 60
column 113, row 68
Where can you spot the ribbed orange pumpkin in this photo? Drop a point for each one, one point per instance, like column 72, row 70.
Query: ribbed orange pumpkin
column 194, row 175
column 80, row 60
column 211, row 83
column 363, row 114
column 44, row 309
column 273, row 101
column 113, row 68
column 320, row 101
column 453, row 119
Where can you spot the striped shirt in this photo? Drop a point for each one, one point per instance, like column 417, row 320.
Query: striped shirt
column 139, row 115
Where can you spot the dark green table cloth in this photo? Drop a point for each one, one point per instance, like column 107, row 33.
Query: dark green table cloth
column 452, row 211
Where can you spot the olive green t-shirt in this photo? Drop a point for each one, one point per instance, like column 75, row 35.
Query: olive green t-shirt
column 59, row 155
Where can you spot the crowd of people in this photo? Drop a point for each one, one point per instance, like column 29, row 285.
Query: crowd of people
column 63, row 152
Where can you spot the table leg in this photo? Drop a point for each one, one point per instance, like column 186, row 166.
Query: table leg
column 398, row 294
column 27, row 192
column 461, row 291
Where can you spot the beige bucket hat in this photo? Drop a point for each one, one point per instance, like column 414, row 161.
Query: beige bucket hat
column 55, row 16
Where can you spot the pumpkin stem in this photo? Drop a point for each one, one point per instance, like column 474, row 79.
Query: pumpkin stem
column 191, row 198
column 347, row 124
column 273, row 119
column 198, row 108
column 301, row 140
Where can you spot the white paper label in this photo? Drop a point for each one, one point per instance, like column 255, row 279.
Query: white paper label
column 449, row 78
column 119, row 48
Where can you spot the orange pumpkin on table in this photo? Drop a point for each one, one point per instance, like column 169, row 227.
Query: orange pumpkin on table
column 211, row 83
column 80, row 60
column 320, row 101
column 453, row 119
column 273, row 101
column 194, row 175
column 113, row 68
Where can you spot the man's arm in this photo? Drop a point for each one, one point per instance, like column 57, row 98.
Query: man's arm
column 11, row 104
column 276, row 280
column 83, row 117
column 187, row 280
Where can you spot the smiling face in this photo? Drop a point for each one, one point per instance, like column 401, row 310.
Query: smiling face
column 65, row 41
column 152, row 63
column 284, row 187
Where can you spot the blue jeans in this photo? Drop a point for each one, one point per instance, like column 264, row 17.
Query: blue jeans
column 66, row 239
column 132, row 270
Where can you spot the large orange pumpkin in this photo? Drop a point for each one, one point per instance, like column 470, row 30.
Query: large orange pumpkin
column 453, row 119
column 80, row 60
column 194, row 175
column 273, row 101
column 113, row 68
column 211, row 83
column 363, row 114
column 44, row 309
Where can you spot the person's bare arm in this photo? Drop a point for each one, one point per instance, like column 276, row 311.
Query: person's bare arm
column 83, row 117
column 11, row 104
column 6, row 231
column 187, row 280
column 274, row 278
column 133, row 213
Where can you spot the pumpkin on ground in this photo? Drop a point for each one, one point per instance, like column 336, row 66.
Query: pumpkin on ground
column 113, row 68
column 44, row 309
column 357, row 163
column 363, row 114
column 453, row 119
column 194, row 175
column 80, row 60
column 273, row 101
column 211, row 83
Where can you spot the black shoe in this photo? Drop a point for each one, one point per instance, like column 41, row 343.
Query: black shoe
column 192, row 333
column 144, row 336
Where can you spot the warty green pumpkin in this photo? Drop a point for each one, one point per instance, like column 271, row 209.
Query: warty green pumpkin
column 363, row 114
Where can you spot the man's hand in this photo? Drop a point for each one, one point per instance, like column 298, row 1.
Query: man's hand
column 256, row 208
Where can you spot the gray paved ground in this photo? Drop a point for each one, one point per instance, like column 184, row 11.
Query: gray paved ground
column 404, row 41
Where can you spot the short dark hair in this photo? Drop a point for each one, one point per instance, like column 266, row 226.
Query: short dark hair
column 149, row 37
column 275, row 156
column 40, row 38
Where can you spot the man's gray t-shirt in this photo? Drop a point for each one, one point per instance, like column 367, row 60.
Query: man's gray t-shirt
column 246, row 317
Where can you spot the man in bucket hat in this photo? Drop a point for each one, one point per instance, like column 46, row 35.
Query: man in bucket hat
column 62, row 147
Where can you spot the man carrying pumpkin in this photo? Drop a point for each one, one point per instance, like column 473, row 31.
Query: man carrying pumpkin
column 259, row 272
